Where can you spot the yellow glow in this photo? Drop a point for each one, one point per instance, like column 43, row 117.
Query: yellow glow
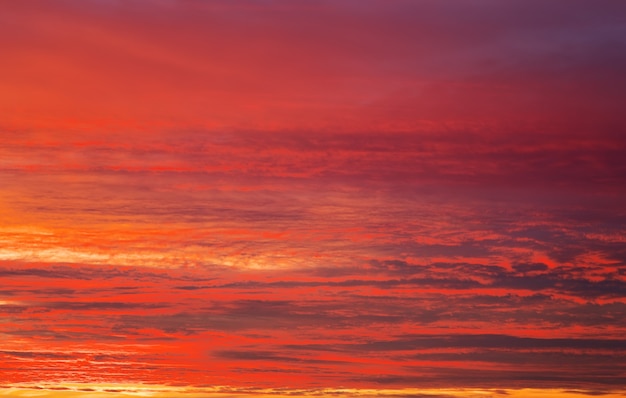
column 130, row 390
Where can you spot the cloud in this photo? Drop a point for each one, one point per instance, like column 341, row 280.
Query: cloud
column 394, row 65
column 490, row 341
column 358, row 193
column 268, row 356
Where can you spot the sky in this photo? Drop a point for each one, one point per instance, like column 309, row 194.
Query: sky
column 271, row 198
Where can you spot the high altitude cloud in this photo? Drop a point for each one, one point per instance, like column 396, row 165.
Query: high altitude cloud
column 348, row 65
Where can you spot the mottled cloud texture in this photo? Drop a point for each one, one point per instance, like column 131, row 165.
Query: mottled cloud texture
column 331, row 198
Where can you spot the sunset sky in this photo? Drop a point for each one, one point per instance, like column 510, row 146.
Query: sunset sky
column 348, row 198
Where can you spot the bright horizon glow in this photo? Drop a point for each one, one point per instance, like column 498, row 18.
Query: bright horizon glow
column 108, row 390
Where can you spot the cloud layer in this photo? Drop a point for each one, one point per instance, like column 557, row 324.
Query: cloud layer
column 293, row 198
